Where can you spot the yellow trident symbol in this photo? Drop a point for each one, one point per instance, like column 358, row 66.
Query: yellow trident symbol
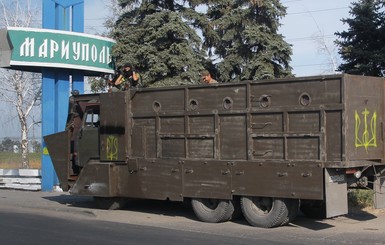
column 112, row 148
column 368, row 136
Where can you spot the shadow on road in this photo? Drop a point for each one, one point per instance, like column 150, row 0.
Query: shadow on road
column 310, row 223
column 75, row 201
column 321, row 224
column 183, row 209
column 158, row 207
column 360, row 215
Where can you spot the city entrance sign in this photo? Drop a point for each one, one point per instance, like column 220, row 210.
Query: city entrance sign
column 37, row 48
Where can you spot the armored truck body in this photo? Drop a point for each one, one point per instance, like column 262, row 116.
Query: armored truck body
column 260, row 148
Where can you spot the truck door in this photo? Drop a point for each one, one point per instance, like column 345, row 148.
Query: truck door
column 88, row 137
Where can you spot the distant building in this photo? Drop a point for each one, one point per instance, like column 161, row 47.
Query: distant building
column 15, row 149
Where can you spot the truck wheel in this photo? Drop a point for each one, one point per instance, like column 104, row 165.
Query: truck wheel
column 237, row 214
column 265, row 212
column 212, row 210
column 110, row 203
column 293, row 205
column 313, row 209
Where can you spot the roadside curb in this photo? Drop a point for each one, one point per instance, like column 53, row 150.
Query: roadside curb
column 20, row 179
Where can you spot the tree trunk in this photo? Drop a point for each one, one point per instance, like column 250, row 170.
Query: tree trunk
column 21, row 89
column 24, row 145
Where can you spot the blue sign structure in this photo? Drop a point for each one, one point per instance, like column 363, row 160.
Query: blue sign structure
column 67, row 15
column 63, row 53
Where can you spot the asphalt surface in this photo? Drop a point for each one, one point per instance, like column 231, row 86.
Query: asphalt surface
column 178, row 218
column 34, row 229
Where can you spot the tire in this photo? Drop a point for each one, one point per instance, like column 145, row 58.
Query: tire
column 313, row 209
column 110, row 203
column 293, row 211
column 212, row 210
column 265, row 212
column 237, row 214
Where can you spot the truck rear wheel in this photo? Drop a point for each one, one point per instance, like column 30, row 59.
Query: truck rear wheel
column 212, row 210
column 110, row 203
column 265, row 212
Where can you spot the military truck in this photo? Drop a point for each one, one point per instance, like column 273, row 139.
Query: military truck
column 261, row 149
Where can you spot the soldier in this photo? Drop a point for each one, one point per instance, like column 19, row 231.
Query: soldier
column 206, row 77
column 128, row 78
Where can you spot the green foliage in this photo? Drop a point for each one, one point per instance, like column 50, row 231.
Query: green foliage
column 361, row 198
column 36, row 146
column 246, row 39
column 169, row 42
column 7, row 145
column 98, row 84
column 362, row 46
column 162, row 46
column 9, row 160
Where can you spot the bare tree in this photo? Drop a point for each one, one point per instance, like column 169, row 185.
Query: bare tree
column 21, row 89
column 326, row 47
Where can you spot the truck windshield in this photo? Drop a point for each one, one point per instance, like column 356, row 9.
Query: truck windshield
column 91, row 119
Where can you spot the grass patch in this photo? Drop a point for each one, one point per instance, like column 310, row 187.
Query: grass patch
column 9, row 160
column 361, row 198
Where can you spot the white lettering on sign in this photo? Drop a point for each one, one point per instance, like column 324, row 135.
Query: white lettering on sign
column 54, row 48
column 65, row 50
column 85, row 52
column 43, row 50
column 27, row 48
column 94, row 53
column 102, row 57
column 76, row 50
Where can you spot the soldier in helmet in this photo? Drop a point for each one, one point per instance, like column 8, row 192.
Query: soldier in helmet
column 129, row 77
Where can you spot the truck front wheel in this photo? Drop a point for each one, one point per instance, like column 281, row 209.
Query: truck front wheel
column 212, row 210
column 265, row 212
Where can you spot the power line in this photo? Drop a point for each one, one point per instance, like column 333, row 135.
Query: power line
column 316, row 11
column 307, row 65
column 310, row 38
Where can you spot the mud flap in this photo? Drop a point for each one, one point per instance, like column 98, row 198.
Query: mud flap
column 336, row 193
column 379, row 191
column 59, row 150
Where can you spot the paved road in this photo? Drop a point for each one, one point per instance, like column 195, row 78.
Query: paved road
column 168, row 221
column 22, row 228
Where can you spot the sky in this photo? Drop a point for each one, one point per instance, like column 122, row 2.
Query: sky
column 307, row 25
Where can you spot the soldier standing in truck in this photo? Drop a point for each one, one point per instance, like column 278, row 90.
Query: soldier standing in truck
column 206, row 77
column 128, row 78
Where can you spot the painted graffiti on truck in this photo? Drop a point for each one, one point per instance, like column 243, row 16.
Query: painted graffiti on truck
column 365, row 132
column 112, row 148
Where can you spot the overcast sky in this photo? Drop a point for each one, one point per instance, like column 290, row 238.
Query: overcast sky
column 308, row 24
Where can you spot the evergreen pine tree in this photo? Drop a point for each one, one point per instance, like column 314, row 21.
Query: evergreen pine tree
column 246, row 39
column 157, row 37
column 240, row 40
column 362, row 46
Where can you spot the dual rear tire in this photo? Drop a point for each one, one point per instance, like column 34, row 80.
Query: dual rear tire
column 269, row 212
column 214, row 210
column 263, row 212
